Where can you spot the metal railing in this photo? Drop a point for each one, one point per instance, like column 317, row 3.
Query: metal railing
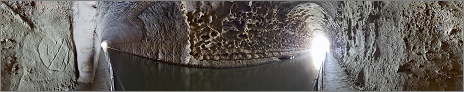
column 320, row 75
column 113, row 75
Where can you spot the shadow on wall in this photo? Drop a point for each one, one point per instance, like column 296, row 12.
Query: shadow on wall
column 210, row 34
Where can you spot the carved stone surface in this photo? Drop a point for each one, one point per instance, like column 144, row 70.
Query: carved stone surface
column 380, row 45
column 156, row 30
column 232, row 32
column 211, row 34
column 401, row 45
column 37, row 47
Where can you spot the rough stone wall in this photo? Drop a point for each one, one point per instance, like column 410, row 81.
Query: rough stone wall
column 382, row 45
column 84, row 23
column 401, row 45
column 37, row 46
column 156, row 30
column 241, row 33
column 210, row 34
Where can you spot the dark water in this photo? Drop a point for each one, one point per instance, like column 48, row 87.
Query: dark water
column 136, row 73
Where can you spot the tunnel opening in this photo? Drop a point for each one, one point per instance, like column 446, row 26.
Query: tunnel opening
column 320, row 45
column 252, row 43
column 244, row 45
column 104, row 44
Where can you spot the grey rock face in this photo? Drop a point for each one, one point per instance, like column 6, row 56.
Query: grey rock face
column 37, row 48
column 234, row 32
column 155, row 30
column 401, row 45
column 211, row 34
column 382, row 45
column 83, row 34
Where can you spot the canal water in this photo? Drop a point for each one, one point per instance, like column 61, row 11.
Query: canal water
column 137, row 73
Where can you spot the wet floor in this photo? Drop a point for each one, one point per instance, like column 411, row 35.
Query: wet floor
column 137, row 73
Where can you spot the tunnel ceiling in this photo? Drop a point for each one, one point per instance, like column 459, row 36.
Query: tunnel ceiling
column 380, row 45
column 238, row 31
column 219, row 34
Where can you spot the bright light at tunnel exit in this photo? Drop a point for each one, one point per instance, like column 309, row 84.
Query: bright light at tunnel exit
column 104, row 45
column 319, row 45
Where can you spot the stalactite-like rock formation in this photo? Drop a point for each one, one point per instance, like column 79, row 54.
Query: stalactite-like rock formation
column 211, row 34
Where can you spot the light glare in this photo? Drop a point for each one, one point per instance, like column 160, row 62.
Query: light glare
column 320, row 45
column 104, row 44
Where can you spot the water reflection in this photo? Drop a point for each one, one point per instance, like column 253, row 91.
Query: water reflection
column 138, row 73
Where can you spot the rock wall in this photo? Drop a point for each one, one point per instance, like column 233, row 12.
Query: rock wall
column 383, row 45
column 37, row 46
column 84, row 23
column 248, row 33
column 211, row 34
column 156, row 30
column 401, row 45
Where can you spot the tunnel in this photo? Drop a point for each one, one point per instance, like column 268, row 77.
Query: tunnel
column 232, row 46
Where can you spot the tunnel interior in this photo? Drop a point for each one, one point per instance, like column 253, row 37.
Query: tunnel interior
column 232, row 45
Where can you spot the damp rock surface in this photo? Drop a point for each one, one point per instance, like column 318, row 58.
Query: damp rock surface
column 401, row 45
column 380, row 45
column 37, row 47
column 156, row 30
column 83, row 34
column 241, row 33
column 210, row 34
